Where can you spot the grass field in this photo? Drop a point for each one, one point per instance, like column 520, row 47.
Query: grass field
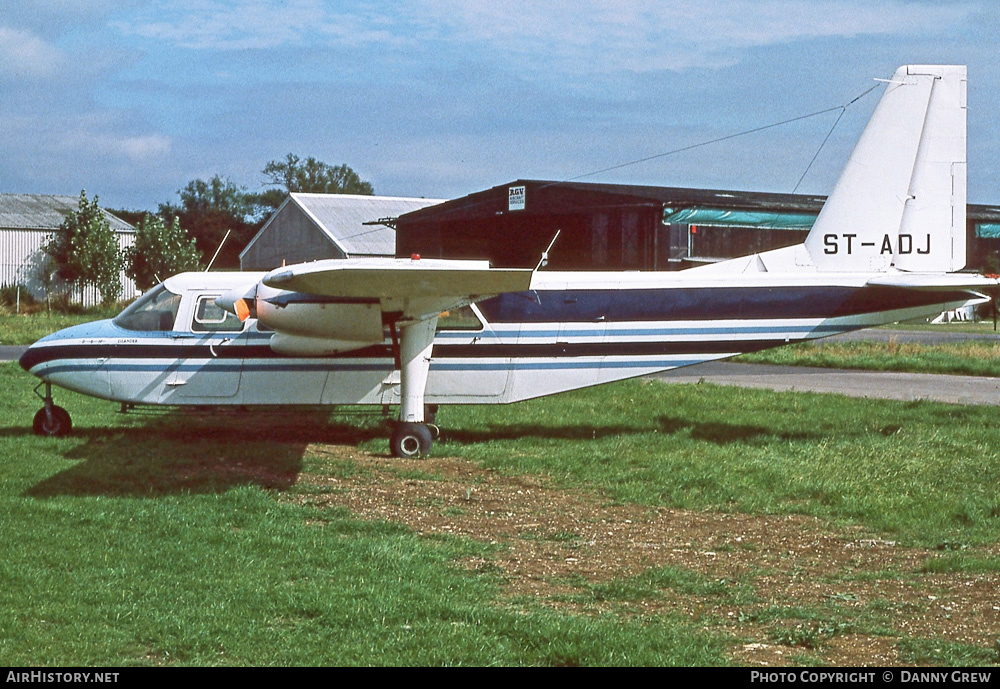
column 23, row 329
column 969, row 358
column 978, row 327
column 176, row 539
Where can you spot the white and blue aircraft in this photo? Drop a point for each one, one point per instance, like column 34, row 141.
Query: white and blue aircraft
column 418, row 333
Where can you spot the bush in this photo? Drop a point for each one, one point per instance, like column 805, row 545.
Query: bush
column 9, row 297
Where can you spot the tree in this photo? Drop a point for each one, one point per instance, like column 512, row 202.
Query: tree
column 84, row 250
column 207, row 210
column 311, row 176
column 160, row 251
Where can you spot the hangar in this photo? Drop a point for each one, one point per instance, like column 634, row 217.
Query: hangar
column 309, row 227
column 26, row 223
column 627, row 227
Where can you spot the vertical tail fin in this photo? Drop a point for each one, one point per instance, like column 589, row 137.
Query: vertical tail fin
column 900, row 200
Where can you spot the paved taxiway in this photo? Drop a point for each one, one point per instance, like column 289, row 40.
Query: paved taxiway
column 11, row 352
column 875, row 384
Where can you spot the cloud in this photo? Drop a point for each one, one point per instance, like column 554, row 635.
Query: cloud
column 143, row 148
column 648, row 35
column 227, row 25
column 54, row 17
column 85, row 136
column 23, row 55
column 581, row 37
column 87, row 139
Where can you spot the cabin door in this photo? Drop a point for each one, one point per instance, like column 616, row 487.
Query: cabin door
column 210, row 357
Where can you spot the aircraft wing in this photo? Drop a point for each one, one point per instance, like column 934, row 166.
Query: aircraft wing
column 341, row 305
column 400, row 279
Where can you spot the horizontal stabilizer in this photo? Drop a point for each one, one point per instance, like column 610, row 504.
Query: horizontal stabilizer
column 416, row 278
column 935, row 282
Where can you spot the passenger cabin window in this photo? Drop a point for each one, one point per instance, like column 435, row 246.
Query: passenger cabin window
column 154, row 311
column 459, row 319
column 210, row 318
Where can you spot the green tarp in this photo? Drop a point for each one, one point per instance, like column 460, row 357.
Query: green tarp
column 720, row 216
column 988, row 230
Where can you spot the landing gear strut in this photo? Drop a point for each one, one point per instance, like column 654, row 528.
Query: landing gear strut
column 51, row 419
column 413, row 436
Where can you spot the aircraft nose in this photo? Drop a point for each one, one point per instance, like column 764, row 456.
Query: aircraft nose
column 74, row 342
column 29, row 358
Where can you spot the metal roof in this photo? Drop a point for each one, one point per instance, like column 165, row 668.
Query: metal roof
column 684, row 196
column 343, row 218
column 576, row 195
column 547, row 196
column 45, row 212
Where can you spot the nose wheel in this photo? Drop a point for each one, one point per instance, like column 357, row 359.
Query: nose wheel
column 51, row 419
column 55, row 422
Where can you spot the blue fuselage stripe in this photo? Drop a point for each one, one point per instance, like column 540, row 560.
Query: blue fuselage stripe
column 703, row 303
column 384, row 366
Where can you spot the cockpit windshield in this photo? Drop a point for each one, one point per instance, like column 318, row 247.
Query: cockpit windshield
column 155, row 310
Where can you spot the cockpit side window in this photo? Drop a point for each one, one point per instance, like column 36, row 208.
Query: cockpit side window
column 210, row 318
column 156, row 310
column 463, row 318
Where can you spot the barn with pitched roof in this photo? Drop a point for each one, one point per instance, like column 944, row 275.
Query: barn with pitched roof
column 309, row 227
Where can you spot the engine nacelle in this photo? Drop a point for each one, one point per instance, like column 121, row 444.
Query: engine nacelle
column 308, row 324
column 312, row 325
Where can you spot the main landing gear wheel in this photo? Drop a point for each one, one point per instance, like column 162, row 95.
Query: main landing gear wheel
column 411, row 440
column 59, row 424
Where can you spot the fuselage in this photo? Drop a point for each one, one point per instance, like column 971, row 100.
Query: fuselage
column 574, row 330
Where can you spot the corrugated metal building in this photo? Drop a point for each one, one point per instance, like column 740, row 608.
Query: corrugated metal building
column 26, row 223
column 309, row 227
column 625, row 227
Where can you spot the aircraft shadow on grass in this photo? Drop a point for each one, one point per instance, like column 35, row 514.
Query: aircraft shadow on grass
column 539, row 431
column 184, row 453
column 728, row 433
column 178, row 454
column 715, row 432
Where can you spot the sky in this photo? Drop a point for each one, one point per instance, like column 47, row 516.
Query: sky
column 131, row 100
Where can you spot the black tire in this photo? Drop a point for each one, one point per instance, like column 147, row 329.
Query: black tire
column 411, row 441
column 61, row 424
column 430, row 413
